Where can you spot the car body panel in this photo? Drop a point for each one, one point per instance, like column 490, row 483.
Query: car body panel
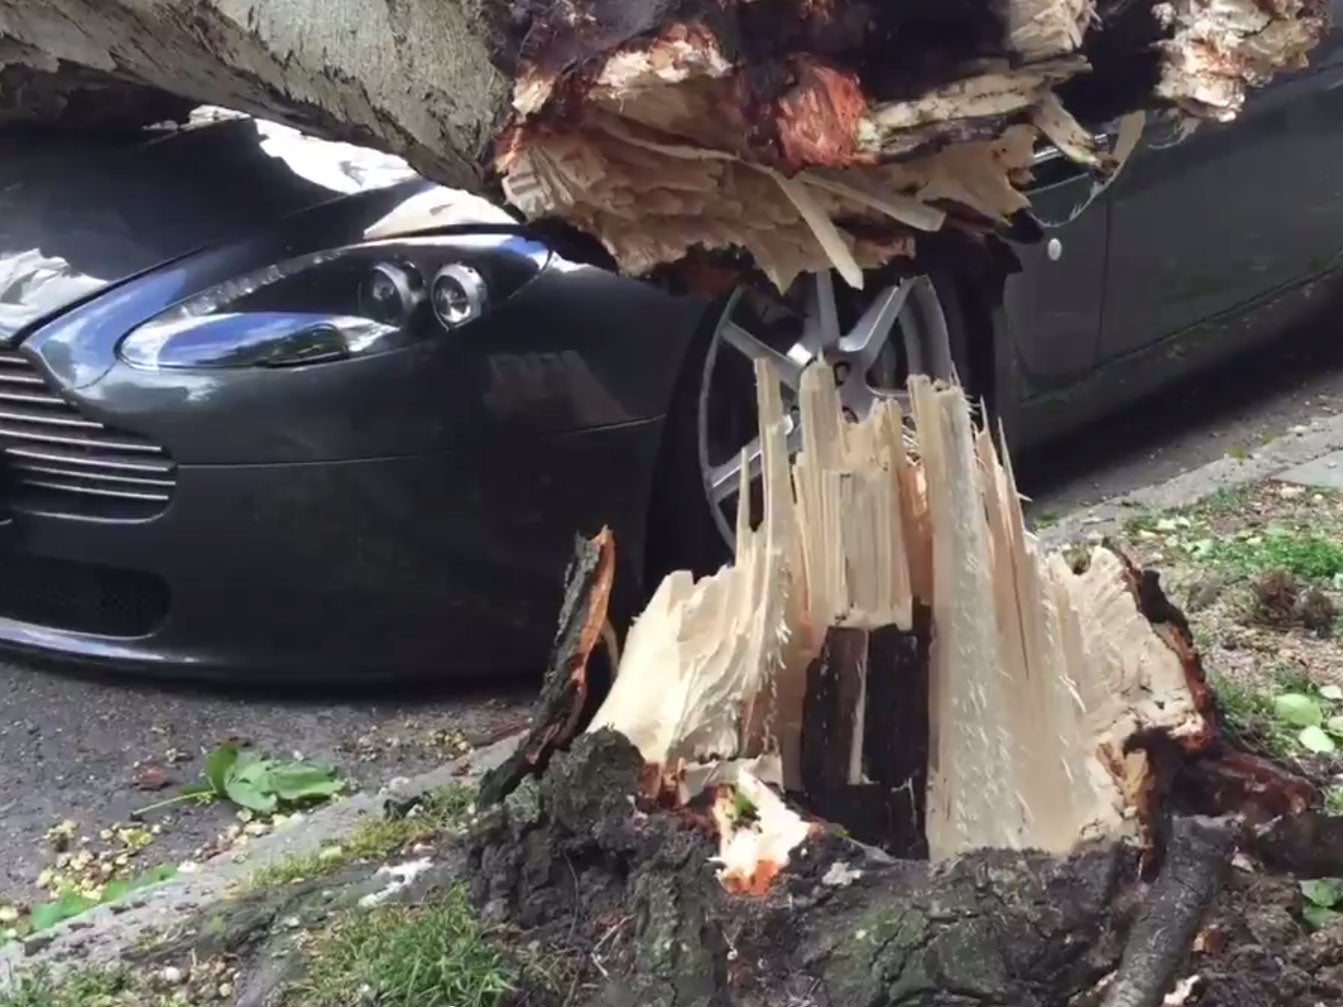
column 542, row 362
column 1263, row 198
column 1053, row 305
column 418, row 566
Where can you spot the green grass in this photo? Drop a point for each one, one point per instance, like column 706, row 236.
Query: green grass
column 1333, row 801
column 110, row 987
column 1248, row 716
column 1310, row 557
column 1046, row 519
column 1227, row 500
column 435, row 955
column 1145, row 521
column 373, row 838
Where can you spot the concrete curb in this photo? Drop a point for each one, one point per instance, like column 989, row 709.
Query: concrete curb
column 1319, row 438
column 102, row 935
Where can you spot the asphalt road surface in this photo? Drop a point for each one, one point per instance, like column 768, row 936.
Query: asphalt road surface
column 70, row 745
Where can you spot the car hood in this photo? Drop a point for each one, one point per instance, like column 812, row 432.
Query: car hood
column 79, row 215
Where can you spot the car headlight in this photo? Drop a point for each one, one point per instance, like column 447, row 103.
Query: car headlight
column 339, row 303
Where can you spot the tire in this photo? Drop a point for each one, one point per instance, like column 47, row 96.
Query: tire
column 682, row 530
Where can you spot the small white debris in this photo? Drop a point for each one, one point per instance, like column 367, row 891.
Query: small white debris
column 860, row 935
column 841, row 875
column 1291, row 492
column 1167, row 524
column 225, row 991
column 1242, row 863
column 401, row 875
column 188, row 867
column 1183, row 990
column 8, row 914
column 1300, row 429
column 172, row 975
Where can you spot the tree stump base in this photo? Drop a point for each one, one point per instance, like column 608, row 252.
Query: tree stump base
column 628, row 893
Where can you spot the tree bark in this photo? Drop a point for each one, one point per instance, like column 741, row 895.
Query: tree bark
column 415, row 77
column 567, row 702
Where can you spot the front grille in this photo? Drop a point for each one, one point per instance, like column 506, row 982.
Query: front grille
column 58, row 461
column 82, row 597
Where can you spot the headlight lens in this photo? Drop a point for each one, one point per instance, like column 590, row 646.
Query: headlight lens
column 340, row 303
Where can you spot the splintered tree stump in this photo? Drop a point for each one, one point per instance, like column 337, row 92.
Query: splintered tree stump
column 894, row 754
column 565, row 702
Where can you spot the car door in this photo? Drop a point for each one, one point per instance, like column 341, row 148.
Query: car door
column 1201, row 224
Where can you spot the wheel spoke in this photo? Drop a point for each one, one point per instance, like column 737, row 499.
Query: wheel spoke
column 789, row 365
column 820, row 329
column 725, row 480
column 869, row 337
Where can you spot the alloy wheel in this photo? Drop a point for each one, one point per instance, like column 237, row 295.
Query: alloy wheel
column 871, row 342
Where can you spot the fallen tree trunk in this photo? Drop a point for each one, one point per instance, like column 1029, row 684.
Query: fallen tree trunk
column 805, row 134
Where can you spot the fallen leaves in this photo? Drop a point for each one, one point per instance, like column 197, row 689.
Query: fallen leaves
column 258, row 783
column 1317, row 717
column 1323, row 897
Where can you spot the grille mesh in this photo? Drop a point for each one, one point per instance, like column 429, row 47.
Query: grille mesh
column 58, row 460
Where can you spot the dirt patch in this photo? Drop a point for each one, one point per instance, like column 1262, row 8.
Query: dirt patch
column 1259, row 572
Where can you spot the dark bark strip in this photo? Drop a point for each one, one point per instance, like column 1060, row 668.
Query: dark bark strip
column 888, row 668
column 566, row 703
column 830, row 719
column 895, row 748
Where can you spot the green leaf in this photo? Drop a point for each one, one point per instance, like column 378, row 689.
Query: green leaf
column 1334, row 692
column 304, row 781
column 68, row 906
column 1318, row 917
column 248, row 785
column 1326, row 892
column 1315, row 739
column 1298, row 710
column 1334, row 725
column 218, row 764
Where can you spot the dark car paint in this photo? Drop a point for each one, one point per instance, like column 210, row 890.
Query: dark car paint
column 423, row 565
column 1205, row 245
column 331, row 520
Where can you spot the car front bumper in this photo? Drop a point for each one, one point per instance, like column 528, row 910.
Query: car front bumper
column 426, row 565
